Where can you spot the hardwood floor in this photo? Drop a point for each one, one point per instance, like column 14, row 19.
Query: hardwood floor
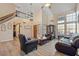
column 45, row 50
column 10, row 48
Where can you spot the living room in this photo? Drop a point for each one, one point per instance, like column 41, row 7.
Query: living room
column 39, row 29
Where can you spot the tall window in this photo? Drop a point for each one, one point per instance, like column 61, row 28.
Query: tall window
column 61, row 26
column 78, row 22
column 71, row 17
column 71, row 28
column 78, row 28
column 71, row 23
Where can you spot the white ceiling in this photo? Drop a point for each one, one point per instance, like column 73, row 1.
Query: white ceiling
column 26, row 7
column 56, row 8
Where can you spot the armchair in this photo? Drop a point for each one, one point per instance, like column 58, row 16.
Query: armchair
column 27, row 45
column 68, row 48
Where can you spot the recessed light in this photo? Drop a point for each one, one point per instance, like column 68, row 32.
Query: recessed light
column 47, row 5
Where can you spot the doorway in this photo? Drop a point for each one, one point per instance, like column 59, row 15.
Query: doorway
column 16, row 30
column 35, row 31
column 51, row 30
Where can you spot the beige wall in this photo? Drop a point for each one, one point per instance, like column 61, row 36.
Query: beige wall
column 6, row 8
column 8, row 45
column 38, row 21
column 11, row 46
column 78, row 6
column 42, row 18
column 6, row 34
column 25, row 26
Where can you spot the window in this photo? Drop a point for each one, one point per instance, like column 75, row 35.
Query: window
column 71, row 17
column 78, row 22
column 78, row 28
column 61, row 19
column 61, row 26
column 69, row 23
column 71, row 28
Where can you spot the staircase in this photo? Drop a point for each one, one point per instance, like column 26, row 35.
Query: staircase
column 7, row 17
column 12, row 47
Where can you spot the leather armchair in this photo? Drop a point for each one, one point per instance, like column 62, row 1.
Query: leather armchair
column 27, row 45
column 66, row 49
column 69, row 49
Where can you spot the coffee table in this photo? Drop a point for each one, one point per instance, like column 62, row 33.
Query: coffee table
column 42, row 41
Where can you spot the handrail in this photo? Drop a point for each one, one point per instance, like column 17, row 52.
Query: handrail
column 20, row 12
column 7, row 17
column 17, row 11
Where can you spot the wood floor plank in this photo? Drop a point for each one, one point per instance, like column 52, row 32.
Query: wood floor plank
column 47, row 49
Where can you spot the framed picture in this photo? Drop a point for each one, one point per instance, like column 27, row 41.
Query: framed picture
column 9, row 25
column 27, row 27
column 3, row 27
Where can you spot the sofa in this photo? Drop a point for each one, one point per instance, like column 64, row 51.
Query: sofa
column 26, row 44
column 68, row 48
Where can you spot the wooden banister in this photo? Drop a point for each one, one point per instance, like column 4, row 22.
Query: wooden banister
column 7, row 17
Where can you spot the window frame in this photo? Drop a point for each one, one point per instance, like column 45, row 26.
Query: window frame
column 75, row 20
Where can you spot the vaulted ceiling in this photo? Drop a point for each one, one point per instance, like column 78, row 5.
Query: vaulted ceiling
column 56, row 8
column 27, row 7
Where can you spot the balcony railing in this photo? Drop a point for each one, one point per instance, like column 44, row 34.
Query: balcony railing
column 7, row 17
